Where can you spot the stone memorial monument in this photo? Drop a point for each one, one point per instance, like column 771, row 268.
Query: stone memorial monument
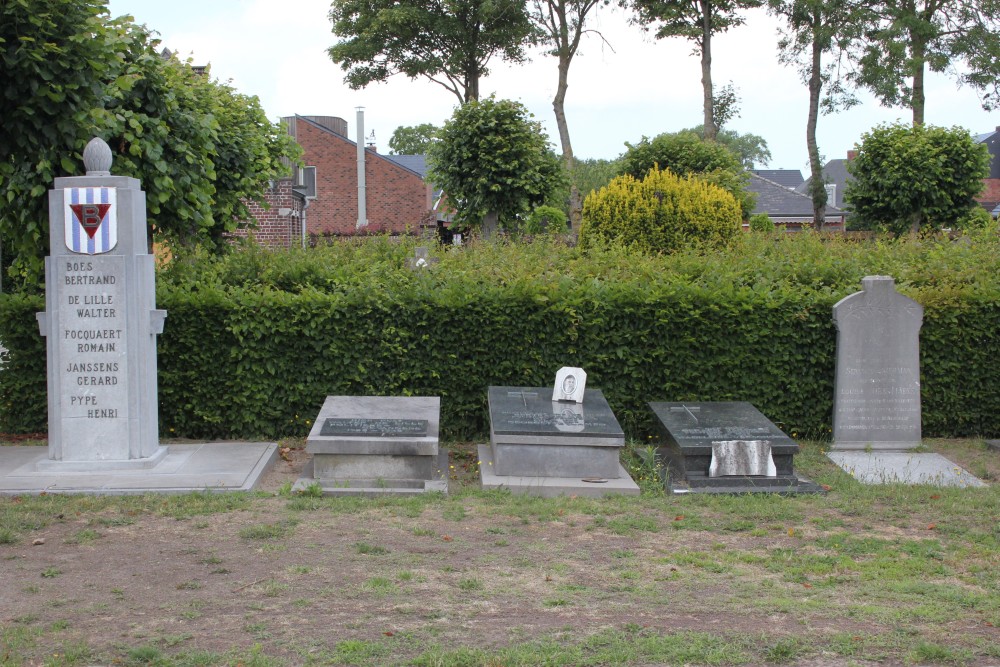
column 877, row 389
column 549, row 447
column 100, row 323
column 726, row 447
column 372, row 445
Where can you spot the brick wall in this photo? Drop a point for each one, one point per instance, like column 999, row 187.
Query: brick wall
column 281, row 224
column 397, row 199
column 990, row 196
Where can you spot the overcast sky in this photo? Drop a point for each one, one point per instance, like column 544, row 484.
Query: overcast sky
column 634, row 86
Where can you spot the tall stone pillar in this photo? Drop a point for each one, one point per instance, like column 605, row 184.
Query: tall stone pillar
column 100, row 323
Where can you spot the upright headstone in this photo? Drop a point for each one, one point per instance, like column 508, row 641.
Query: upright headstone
column 100, row 323
column 877, row 389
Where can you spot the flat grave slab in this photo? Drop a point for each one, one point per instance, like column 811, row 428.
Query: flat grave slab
column 375, row 445
column 689, row 429
column 533, row 436
column 903, row 468
column 210, row 466
column 994, row 445
column 550, row 487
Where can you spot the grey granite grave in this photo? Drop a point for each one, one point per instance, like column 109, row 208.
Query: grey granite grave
column 100, row 323
column 692, row 433
column 882, row 467
column 544, row 447
column 373, row 445
column 877, row 390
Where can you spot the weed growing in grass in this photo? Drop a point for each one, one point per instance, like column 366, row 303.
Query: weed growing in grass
column 370, row 549
column 188, row 586
column 424, row 532
column 84, row 536
column 380, row 586
column 266, row 531
column 470, row 585
column 51, row 572
column 8, row 536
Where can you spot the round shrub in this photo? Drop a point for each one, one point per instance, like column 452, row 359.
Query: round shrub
column 660, row 213
column 761, row 222
column 545, row 220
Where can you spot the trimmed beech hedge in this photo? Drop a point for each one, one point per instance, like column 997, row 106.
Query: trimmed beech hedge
column 254, row 341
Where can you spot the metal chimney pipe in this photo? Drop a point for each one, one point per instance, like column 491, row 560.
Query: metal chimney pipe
column 362, row 198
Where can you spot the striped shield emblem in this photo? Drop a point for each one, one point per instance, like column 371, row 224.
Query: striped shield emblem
column 91, row 220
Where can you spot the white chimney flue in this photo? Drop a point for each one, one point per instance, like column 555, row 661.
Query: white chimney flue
column 362, row 205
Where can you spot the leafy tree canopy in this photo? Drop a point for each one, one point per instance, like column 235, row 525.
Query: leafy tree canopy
column 494, row 163
column 449, row 42
column 71, row 73
column 686, row 153
column 750, row 149
column 910, row 178
column 903, row 39
column 412, row 139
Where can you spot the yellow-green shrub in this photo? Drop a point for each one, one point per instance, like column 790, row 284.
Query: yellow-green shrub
column 660, row 213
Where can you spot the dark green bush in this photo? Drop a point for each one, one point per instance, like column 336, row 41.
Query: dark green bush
column 254, row 342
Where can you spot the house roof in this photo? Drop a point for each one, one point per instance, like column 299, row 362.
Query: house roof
column 417, row 163
column 790, row 178
column 980, row 138
column 835, row 172
column 778, row 201
column 333, row 132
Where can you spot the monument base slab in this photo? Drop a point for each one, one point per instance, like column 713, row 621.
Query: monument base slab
column 903, row 468
column 574, row 459
column 211, row 466
column 50, row 465
column 549, row 487
column 437, row 480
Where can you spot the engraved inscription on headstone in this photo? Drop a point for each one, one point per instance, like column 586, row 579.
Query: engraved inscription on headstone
column 374, row 427
column 877, row 389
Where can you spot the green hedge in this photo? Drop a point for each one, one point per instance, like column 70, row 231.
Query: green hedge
column 255, row 341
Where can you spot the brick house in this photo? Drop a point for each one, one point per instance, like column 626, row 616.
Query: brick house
column 989, row 198
column 322, row 199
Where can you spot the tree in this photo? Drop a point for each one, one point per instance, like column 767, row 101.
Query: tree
column 815, row 28
column 905, row 38
column 562, row 23
column 750, row 149
column 199, row 148
column 686, row 153
column 449, row 42
column 909, row 178
column 412, row 140
column 493, row 163
column 698, row 21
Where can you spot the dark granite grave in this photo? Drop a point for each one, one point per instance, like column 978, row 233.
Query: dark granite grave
column 548, row 447
column 688, row 431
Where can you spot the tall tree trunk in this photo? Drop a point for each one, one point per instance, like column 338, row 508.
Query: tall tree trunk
column 559, row 107
column 491, row 223
column 919, row 59
column 706, row 70
column 817, row 184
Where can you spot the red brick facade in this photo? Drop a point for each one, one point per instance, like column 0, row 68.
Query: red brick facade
column 989, row 198
column 281, row 224
column 398, row 201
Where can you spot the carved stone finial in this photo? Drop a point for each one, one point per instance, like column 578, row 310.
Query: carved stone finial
column 97, row 158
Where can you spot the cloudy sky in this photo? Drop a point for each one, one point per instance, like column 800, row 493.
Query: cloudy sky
column 619, row 91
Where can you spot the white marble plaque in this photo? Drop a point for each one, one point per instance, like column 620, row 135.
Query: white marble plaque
column 741, row 458
column 570, row 384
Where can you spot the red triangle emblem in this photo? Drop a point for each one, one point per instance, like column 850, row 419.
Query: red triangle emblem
column 90, row 216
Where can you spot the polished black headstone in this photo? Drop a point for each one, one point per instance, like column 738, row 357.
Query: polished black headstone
column 379, row 428
column 531, row 411
column 689, row 428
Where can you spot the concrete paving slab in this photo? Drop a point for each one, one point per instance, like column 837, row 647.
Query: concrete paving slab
column 549, row 487
column 903, row 468
column 209, row 466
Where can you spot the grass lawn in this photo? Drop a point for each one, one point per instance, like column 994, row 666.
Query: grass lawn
column 862, row 575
